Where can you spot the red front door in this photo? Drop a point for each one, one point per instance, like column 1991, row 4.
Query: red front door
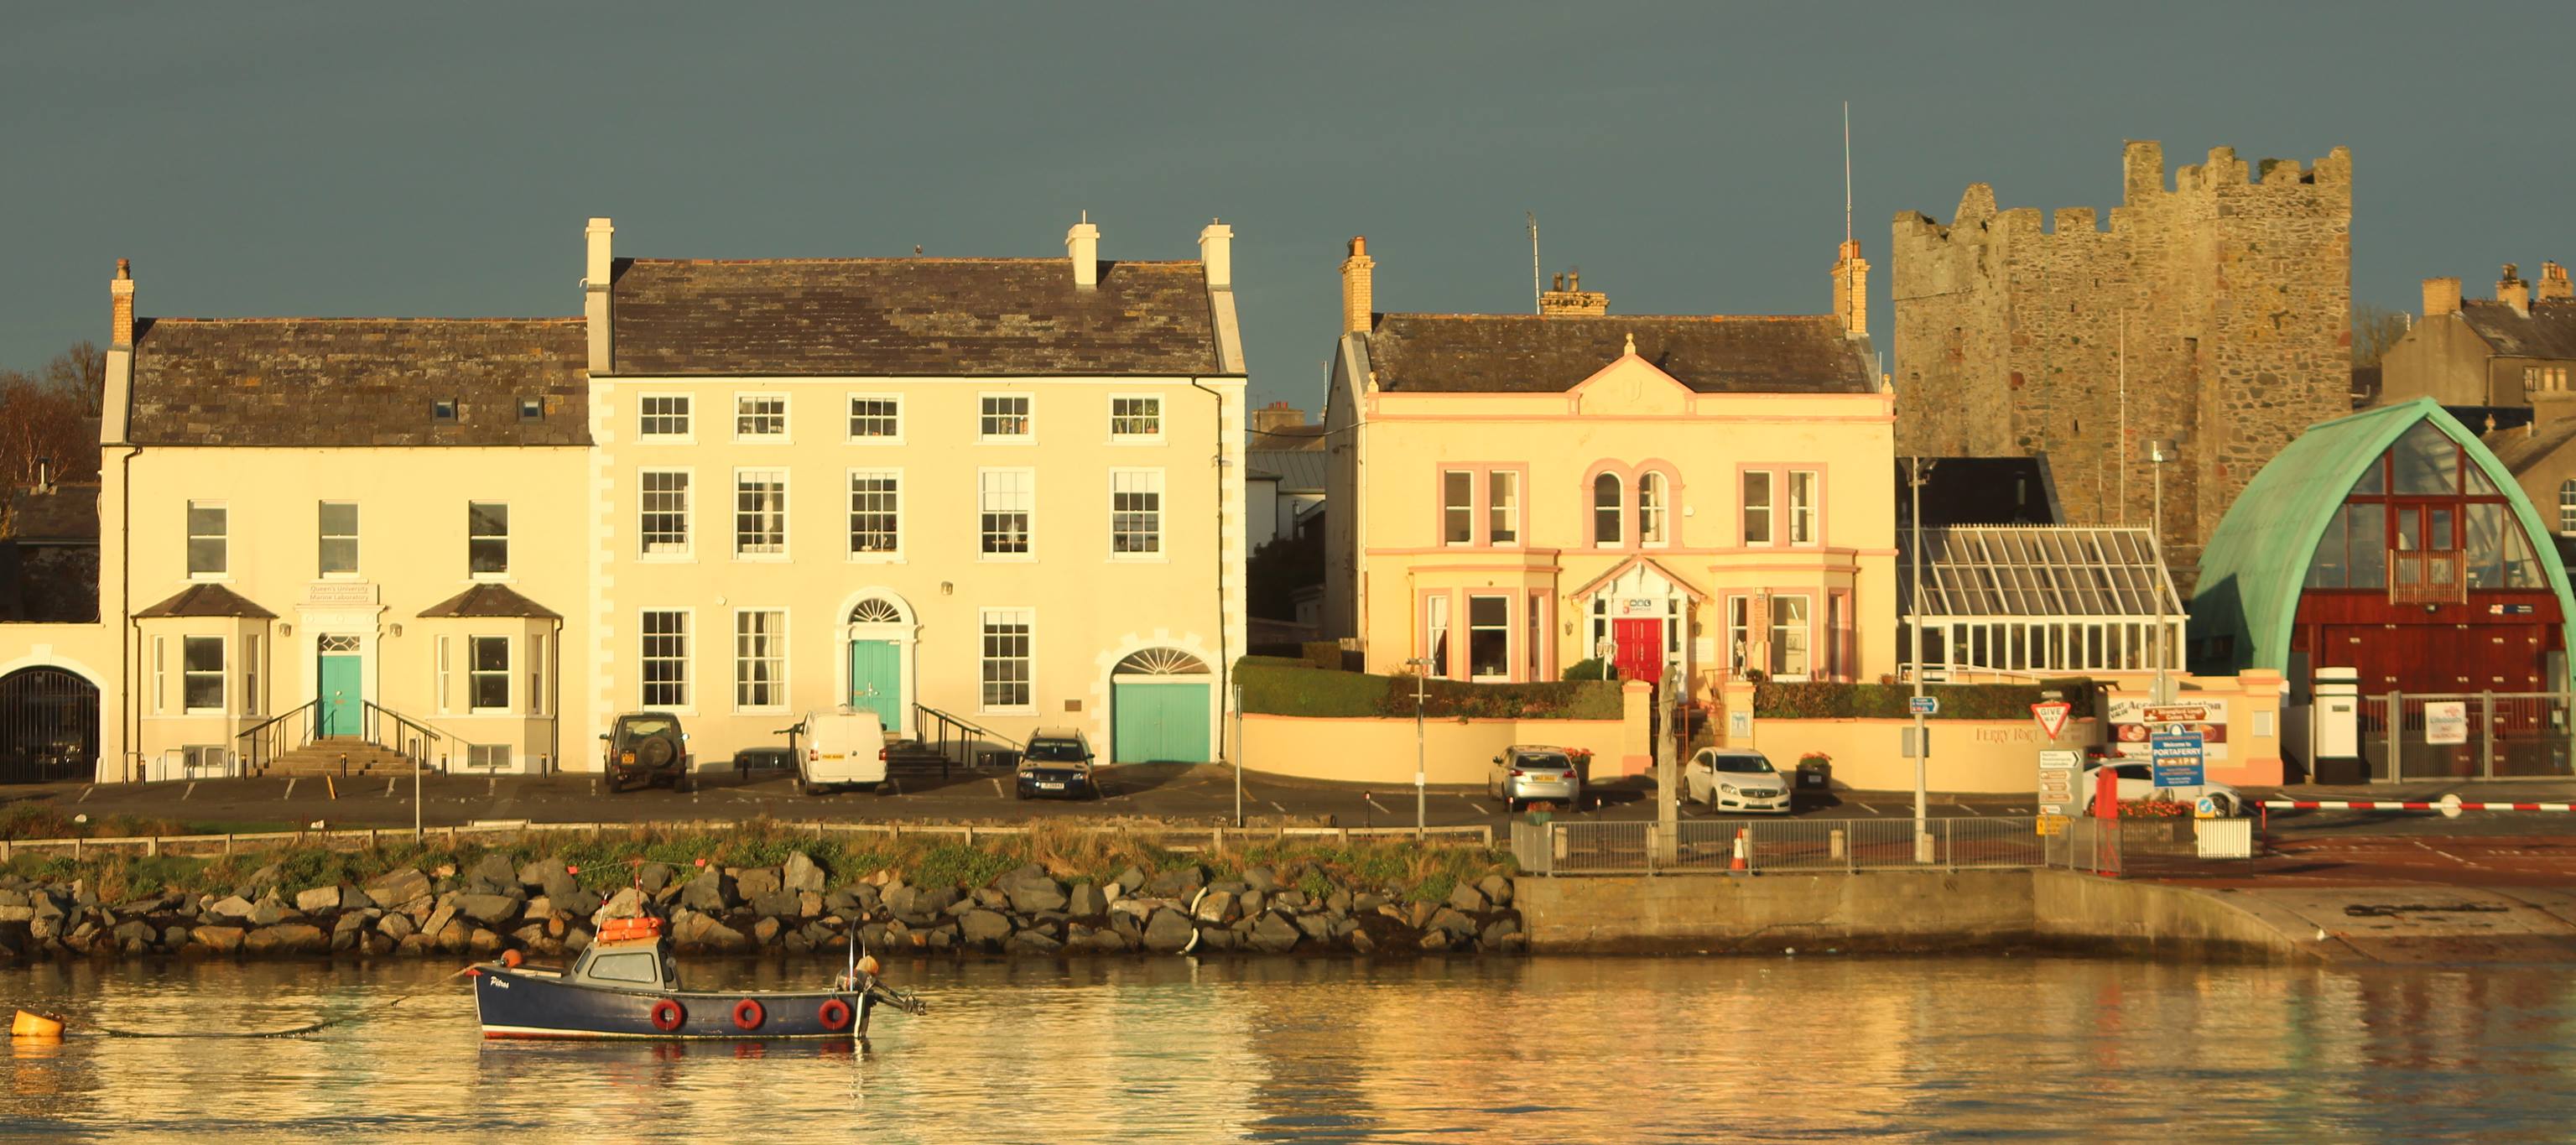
column 1641, row 649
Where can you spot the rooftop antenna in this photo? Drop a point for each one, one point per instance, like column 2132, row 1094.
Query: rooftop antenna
column 1535, row 305
column 1843, row 254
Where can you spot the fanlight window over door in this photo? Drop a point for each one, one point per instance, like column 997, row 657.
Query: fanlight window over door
column 876, row 610
column 1162, row 662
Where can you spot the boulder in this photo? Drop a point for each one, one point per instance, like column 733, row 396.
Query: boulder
column 174, row 937
column 560, row 884
column 263, row 879
column 1498, row 932
column 990, row 898
column 1251, row 900
column 1085, row 901
column 775, row 903
column 800, row 874
column 493, row 874
column 1215, row 908
column 532, row 874
column 764, row 931
column 129, row 933
column 352, row 922
column 1274, row 934
column 453, row 937
column 1316, row 926
column 318, row 900
column 1217, row 938
column 1034, row 942
column 286, row 938
column 1168, row 931
column 1433, row 941
column 1230, row 886
column 1129, row 881
column 268, row 911
column 233, row 906
column 981, row 925
column 717, row 936
column 220, row 939
column 1361, row 942
column 488, row 908
column 1337, row 902
column 1262, row 879
column 414, row 946
column 482, row 942
column 1179, row 884
column 708, row 893
column 16, row 913
column 1452, row 923
column 438, row 920
column 1031, row 889
column 755, row 881
column 398, row 887
column 1497, row 890
column 654, row 876
column 1368, row 901
column 396, row 926
column 1419, row 915
column 901, row 899
column 1466, row 898
column 1294, row 900
column 1138, row 909
column 582, row 904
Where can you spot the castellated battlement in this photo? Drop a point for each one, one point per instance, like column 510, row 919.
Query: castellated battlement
column 2325, row 184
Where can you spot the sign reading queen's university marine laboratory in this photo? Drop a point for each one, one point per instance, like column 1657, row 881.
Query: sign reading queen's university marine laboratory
column 2135, row 722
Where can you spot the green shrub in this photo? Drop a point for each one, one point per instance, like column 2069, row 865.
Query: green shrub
column 1820, row 700
column 1595, row 668
column 1324, row 654
column 1280, row 691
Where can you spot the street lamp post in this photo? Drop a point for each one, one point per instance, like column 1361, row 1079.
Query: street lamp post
column 2159, row 452
column 1421, row 679
column 1668, row 814
column 1922, row 738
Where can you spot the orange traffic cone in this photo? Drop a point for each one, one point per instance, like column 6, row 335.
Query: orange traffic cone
column 1740, row 853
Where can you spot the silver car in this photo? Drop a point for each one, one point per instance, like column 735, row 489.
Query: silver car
column 1735, row 780
column 1530, row 774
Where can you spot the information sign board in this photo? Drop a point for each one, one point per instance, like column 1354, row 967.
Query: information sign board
column 2177, row 760
column 2446, row 721
column 1923, row 705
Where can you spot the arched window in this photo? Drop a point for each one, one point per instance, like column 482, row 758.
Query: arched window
column 1605, row 509
column 1651, row 514
column 2567, row 507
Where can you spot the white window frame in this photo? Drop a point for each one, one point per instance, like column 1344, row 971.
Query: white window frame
column 502, row 573
column 685, row 547
column 1503, row 508
column 984, row 499
column 2567, row 507
column 1806, row 508
column 1769, row 507
column 1027, row 618
column 322, row 548
column 785, row 415
column 1505, row 627
column 740, row 552
column 1618, row 509
column 476, row 674
column 223, row 538
column 487, row 756
column 250, row 675
column 849, row 418
column 1439, row 646
column 1654, row 510
column 779, row 681
column 687, row 415
column 536, row 674
column 850, row 485
column 645, row 659
column 1155, row 437
column 222, row 674
column 1457, row 508
column 160, row 675
column 1804, row 629
column 446, row 674
column 1028, row 434
column 1158, row 537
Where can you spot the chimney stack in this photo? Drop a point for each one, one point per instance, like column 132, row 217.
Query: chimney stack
column 1216, row 254
column 2441, row 296
column 599, row 266
column 1277, row 416
column 114, row 404
column 1358, row 298
column 1851, row 290
column 121, row 301
column 2553, row 285
column 1082, row 245
column 2514, row 292
column 1569, row 299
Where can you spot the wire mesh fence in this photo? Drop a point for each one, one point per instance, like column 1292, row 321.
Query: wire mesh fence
column 1811, row 845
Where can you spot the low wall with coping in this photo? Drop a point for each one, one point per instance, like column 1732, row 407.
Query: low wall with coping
column 1971, row 756
column 1382, row 750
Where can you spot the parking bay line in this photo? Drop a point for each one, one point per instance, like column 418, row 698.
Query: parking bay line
column 389, row 787
column 1868, row 808
column 1480, row 808
column 190, row 790
column 1372, row 801
column 290, row 788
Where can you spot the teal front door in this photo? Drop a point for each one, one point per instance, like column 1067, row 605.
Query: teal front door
column 340, row 696
column 876, row 680
column 1159, row 723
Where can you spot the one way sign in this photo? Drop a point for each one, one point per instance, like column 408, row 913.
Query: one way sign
column 2051, row 715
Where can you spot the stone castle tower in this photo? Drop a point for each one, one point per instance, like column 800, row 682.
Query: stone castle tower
column 2231, row 295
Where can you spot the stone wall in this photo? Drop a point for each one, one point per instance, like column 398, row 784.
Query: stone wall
column 2230, row 291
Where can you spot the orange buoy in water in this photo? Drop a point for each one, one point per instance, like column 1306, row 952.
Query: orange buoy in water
column 31, row 1025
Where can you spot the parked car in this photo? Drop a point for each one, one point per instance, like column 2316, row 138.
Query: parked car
column 648, row 748
column 1058, row 762
column 842, row 748
column 2138, row 783
column 1733, row 779
column 1531, row 773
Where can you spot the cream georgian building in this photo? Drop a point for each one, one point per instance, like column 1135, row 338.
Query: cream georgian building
column 1526, row 492
column 986, row 494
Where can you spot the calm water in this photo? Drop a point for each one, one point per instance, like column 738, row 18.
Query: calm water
column 1806, row 1048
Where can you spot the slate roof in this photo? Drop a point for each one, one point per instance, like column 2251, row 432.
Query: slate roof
column 205, row 600
column 358, row 381
column 2520, row 450
column 488, row 600
column 1298, row 470
column 1527, row 353
column 2550, row 331
column 67, row 512
column 910, row 317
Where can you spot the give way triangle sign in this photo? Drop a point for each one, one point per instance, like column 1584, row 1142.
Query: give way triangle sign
column 2051, row 715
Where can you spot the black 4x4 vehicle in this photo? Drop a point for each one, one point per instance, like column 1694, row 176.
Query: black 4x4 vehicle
column 646, row 748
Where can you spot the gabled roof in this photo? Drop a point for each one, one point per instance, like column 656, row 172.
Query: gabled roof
column 488, row 601
column 1528, row 353
column 2523, row 447
column 206, row 600
column 2548, row 332
column 358, row 381
column 910, row 316
column 67, row 512
column 2256, row 564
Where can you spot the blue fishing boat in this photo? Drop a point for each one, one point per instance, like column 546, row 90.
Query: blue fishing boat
column 625, row 984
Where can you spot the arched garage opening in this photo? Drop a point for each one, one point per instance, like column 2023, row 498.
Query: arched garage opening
column 1161, row 708
column 48, row 726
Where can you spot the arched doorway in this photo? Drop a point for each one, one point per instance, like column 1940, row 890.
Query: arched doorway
column 1162, row 708
column 878, row 633
column 48, row 726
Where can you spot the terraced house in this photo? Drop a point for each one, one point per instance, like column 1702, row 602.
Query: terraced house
column 978, row 495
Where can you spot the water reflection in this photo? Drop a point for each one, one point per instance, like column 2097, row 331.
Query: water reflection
column 1548, row 1049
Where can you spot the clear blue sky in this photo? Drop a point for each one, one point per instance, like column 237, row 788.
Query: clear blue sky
column 440, row 159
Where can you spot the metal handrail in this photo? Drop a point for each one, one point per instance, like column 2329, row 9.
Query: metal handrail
column 267, row 740
column 968, row 734
column 375, row 715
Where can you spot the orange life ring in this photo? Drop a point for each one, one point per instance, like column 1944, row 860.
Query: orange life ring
column 667, row 1015
column 834, row 1014
column 747, row 1015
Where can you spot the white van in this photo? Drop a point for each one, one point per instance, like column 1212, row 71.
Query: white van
column 842, row 748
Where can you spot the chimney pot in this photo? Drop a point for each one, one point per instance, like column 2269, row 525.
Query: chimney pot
column 1082, row 246
column 2514, row 292
column 2441, row 296
column 2553, row 286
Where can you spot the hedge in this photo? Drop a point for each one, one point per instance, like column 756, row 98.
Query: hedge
column 1820, row 701
column 1275, row 689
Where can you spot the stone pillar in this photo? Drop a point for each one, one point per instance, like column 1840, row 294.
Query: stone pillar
column 1636, row 727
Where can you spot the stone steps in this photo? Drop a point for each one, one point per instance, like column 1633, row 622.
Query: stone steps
column 323, row 757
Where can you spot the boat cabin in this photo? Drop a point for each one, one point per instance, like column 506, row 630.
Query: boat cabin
column 631, row 964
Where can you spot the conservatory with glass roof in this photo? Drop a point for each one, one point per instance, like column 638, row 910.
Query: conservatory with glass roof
column 2005, row 601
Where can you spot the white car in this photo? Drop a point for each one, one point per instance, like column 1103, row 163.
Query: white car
column 2138, row 784
column 1729, row 779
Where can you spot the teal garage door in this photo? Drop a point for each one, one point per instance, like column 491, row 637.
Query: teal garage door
column 1159, row 723
column 876, row 680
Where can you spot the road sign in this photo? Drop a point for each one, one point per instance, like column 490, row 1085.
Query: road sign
column 2059, row 773
column 2204, row 807
column 2178, row 714
column 2051, row 715
column 1923, row 705
column 2177, row 760
column 2052, row 824
column 1907, row 748
column 2446, row 721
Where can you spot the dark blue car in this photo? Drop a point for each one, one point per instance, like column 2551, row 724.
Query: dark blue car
column 1058, row 764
